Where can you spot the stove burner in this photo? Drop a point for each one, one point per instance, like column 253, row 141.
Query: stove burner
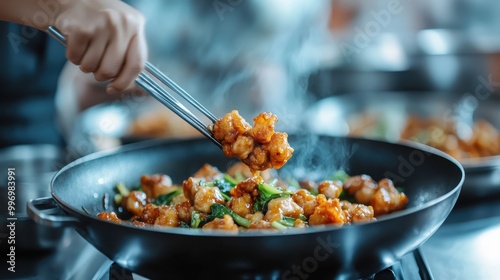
column 412, row 266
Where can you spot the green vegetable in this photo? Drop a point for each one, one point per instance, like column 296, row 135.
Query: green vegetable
column 290, row 221
column 339, row 175
column 118, row 198
column 287, row 221
column 218, row 211
column 267, row 192
column 196, row 219
column 122, row 189
column 165, row 199
column 183, row 225
column 231, row 180
column 279, row 226
column 225, row 185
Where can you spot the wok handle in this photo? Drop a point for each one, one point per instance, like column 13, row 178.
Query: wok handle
column 45, row 211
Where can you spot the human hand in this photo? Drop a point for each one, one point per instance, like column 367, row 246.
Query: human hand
column 106, row 38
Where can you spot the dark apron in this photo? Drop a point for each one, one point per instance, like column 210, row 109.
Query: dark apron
column 30, row 64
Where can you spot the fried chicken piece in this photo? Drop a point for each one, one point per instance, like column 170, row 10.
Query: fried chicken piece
column 387, row 198
column 240, row 169
column 242, row 205
column 226, row 223
column 190, row 188
column 167, row 217
column 363, row 187
column 260, row 147
column 156, row 185
column 260, row 225
column 111, row 216
column 331, row 189
column 306, row 200
column 205, row 197
column 184, row 209
column 135, row 202
column 228, row 128
column 208, row 172
column 357, row 213
column 279, row 207
column 279, row 150
column 149, row 214
column 249, row 185
column 255, row 217
column 328, row 211
column 263, row 128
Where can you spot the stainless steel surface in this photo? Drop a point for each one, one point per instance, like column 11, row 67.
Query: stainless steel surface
column 148, row 85
column 331, row 116
column 466, row 246
column 35, row 165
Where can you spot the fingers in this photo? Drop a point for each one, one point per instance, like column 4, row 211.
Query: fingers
column 134, row 63
column 94, row 54
column 77, row 46
column 105, row 38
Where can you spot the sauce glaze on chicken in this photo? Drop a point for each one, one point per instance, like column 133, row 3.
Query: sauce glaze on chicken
column 238, row 200
column 259, row 147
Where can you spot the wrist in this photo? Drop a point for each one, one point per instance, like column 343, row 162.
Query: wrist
column 34, row 13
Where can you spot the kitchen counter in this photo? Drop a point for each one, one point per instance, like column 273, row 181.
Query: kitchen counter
column 467, row 245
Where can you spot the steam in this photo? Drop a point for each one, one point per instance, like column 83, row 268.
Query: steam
column 252, row 56
column 317, row 157
column 256, row 56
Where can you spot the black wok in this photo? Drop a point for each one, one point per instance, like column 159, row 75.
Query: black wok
column 431, row 180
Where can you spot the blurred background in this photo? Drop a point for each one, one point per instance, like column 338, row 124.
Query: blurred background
column 285, row 56
column 426, row 71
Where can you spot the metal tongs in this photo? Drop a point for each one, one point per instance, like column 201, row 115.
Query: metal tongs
column 147, row 84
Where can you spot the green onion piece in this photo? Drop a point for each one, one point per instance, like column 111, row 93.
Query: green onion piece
column 225, row 196
column 122, row 189
column 287, row 221
column 118, row 198
column 230, row 179
column 277, row 225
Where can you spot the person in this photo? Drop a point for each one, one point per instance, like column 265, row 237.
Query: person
column 105, row 38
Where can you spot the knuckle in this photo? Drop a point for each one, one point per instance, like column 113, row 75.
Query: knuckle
column 99, row 77
column 105, row 74
column 86, row 68
column 118, row 86
column 112, row 19
column 74, row 57
column 135, row 68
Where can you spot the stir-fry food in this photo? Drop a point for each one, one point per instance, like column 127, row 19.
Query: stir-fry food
column 259, row 147
column 483, row 142
column 483, row 138
column 239, row 200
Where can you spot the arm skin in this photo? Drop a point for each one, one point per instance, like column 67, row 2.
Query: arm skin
column 104, row 37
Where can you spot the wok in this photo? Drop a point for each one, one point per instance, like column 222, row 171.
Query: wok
column 431, row 180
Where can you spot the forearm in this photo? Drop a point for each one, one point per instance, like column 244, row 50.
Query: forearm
column 34, row 13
